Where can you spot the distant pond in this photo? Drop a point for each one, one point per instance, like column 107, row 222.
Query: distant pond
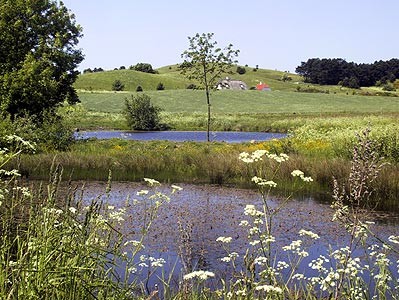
column 181, row 136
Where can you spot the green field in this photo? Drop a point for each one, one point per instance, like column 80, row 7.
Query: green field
column 275, row 102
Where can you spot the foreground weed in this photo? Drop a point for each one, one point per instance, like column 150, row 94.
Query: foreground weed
column 364, row 268
column 54, row 245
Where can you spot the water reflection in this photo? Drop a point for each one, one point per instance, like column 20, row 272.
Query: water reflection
column 207, row 212
column 182, row 136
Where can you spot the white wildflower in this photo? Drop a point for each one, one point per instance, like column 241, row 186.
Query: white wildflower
column 226, row 259
column 282, row 265
column 176, row 188
column 250, row 210
column 151, row 182
column 132, row 270
column 394, row 239
column 244, row 223
column 297, row 173
column 261, row 260
column 311, row 234
column 157, row 262
column 202, row 275
column 142, row 192
column 224, row 240
column 73, row 210
column 269, row 289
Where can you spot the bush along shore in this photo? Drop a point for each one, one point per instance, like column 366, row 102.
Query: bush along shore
column 55, row 245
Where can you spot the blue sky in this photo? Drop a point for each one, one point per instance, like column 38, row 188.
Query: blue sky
column 273, row 34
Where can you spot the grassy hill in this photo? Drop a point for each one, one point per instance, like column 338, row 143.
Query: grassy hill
column 172, row 79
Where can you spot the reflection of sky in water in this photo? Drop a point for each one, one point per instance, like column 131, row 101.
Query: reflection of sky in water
column 181, row 136
column 214, row 211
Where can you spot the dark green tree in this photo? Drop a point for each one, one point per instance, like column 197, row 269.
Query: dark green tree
column 160, row 87
column 38, row 57
column 117, row 85
column 241, row 70
column 143, row 67
column 206, row 63
column 141, row 114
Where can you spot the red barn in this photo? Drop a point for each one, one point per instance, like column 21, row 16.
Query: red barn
column 263, row 87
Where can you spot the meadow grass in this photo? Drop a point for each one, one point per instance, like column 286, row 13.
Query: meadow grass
column 277, row 102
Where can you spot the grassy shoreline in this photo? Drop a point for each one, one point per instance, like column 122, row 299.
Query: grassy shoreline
column 191, row 162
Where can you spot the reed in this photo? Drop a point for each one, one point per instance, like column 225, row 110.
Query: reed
column 192, row 162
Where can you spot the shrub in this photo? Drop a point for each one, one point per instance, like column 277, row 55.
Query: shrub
column 118, row 85
column 388, row 87
column 143, row 67
column 351, row 82
column 191, row 86
column 160, row 87
column 141, row 114
column 53, row 133
column 241, row 70
column 286, row 77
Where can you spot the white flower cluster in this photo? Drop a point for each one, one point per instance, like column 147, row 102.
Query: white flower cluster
column 269, row 289
column 394, row 239
column 300, row 174
column 202, row 275
column 295, row 247
column 250, row 210
column 254, row 157
column 257, row 155
column 224, row 240
column 134, row 243
column 176, row 188
column 142, row 192
column 117, row 215
column 309, row 233
column 263, row 182
column 152, row 261
column 260, row 260
column 282, row 157
column 151, row 182
column 230, row 257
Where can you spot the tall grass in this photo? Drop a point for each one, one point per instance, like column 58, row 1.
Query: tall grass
column 319, row 145
column 54, row 245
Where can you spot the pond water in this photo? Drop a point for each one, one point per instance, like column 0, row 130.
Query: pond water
column 207, row 212
column 182, row 136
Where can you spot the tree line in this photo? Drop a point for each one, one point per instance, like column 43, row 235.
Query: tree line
column 337, row 71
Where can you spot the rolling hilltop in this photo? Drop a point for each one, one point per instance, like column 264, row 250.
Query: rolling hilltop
column 171, row 78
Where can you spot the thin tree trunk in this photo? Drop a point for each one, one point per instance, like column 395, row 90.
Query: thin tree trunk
column 209, row 115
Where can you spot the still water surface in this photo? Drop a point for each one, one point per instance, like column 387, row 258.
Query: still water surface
column 208, row 212
column 182, row 136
